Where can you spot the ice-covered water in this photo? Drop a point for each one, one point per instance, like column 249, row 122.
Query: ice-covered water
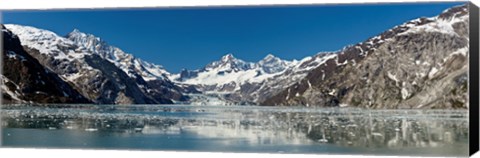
column 238, row 129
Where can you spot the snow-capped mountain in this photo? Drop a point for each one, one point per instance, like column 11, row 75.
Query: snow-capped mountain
column 231, row 70
column 151, row 78
column 102, row 73
column 243, row 82
column 272, row 64
column 422, row 63
column 25, row 80
column 228, row 64
column 134, row 67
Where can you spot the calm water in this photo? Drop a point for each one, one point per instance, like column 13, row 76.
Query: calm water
column 238, row 129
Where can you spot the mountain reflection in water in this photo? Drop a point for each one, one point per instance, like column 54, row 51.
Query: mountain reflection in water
column 368, row 130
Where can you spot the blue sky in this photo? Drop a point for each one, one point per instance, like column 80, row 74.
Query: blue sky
column 192, row 37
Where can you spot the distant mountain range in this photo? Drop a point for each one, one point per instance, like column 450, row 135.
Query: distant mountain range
column 422, row 63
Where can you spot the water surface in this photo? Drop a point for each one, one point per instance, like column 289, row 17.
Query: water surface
column 238, row 129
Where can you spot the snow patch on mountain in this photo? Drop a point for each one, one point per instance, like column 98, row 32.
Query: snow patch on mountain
column 13, row 55
column 15, row 95
column 46, row 42
column 437, row 23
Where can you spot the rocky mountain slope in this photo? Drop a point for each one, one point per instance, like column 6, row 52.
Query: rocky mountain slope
column 151, row 78
column 102, row 73
column 420, row 64
column 25, row 80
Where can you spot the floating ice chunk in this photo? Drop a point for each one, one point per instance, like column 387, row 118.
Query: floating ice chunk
column 91, row 129
column 138, row 129
column 377, row 134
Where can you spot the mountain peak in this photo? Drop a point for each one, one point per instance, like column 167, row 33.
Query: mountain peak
column 228, row 62
column 272, row 64
column 454, row 12
column 75, row 30
column 76, row 33
column 228, row 57
column 269, row 57
column 85, row 39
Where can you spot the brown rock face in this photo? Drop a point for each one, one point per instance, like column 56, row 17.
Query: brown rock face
column 420, row 64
